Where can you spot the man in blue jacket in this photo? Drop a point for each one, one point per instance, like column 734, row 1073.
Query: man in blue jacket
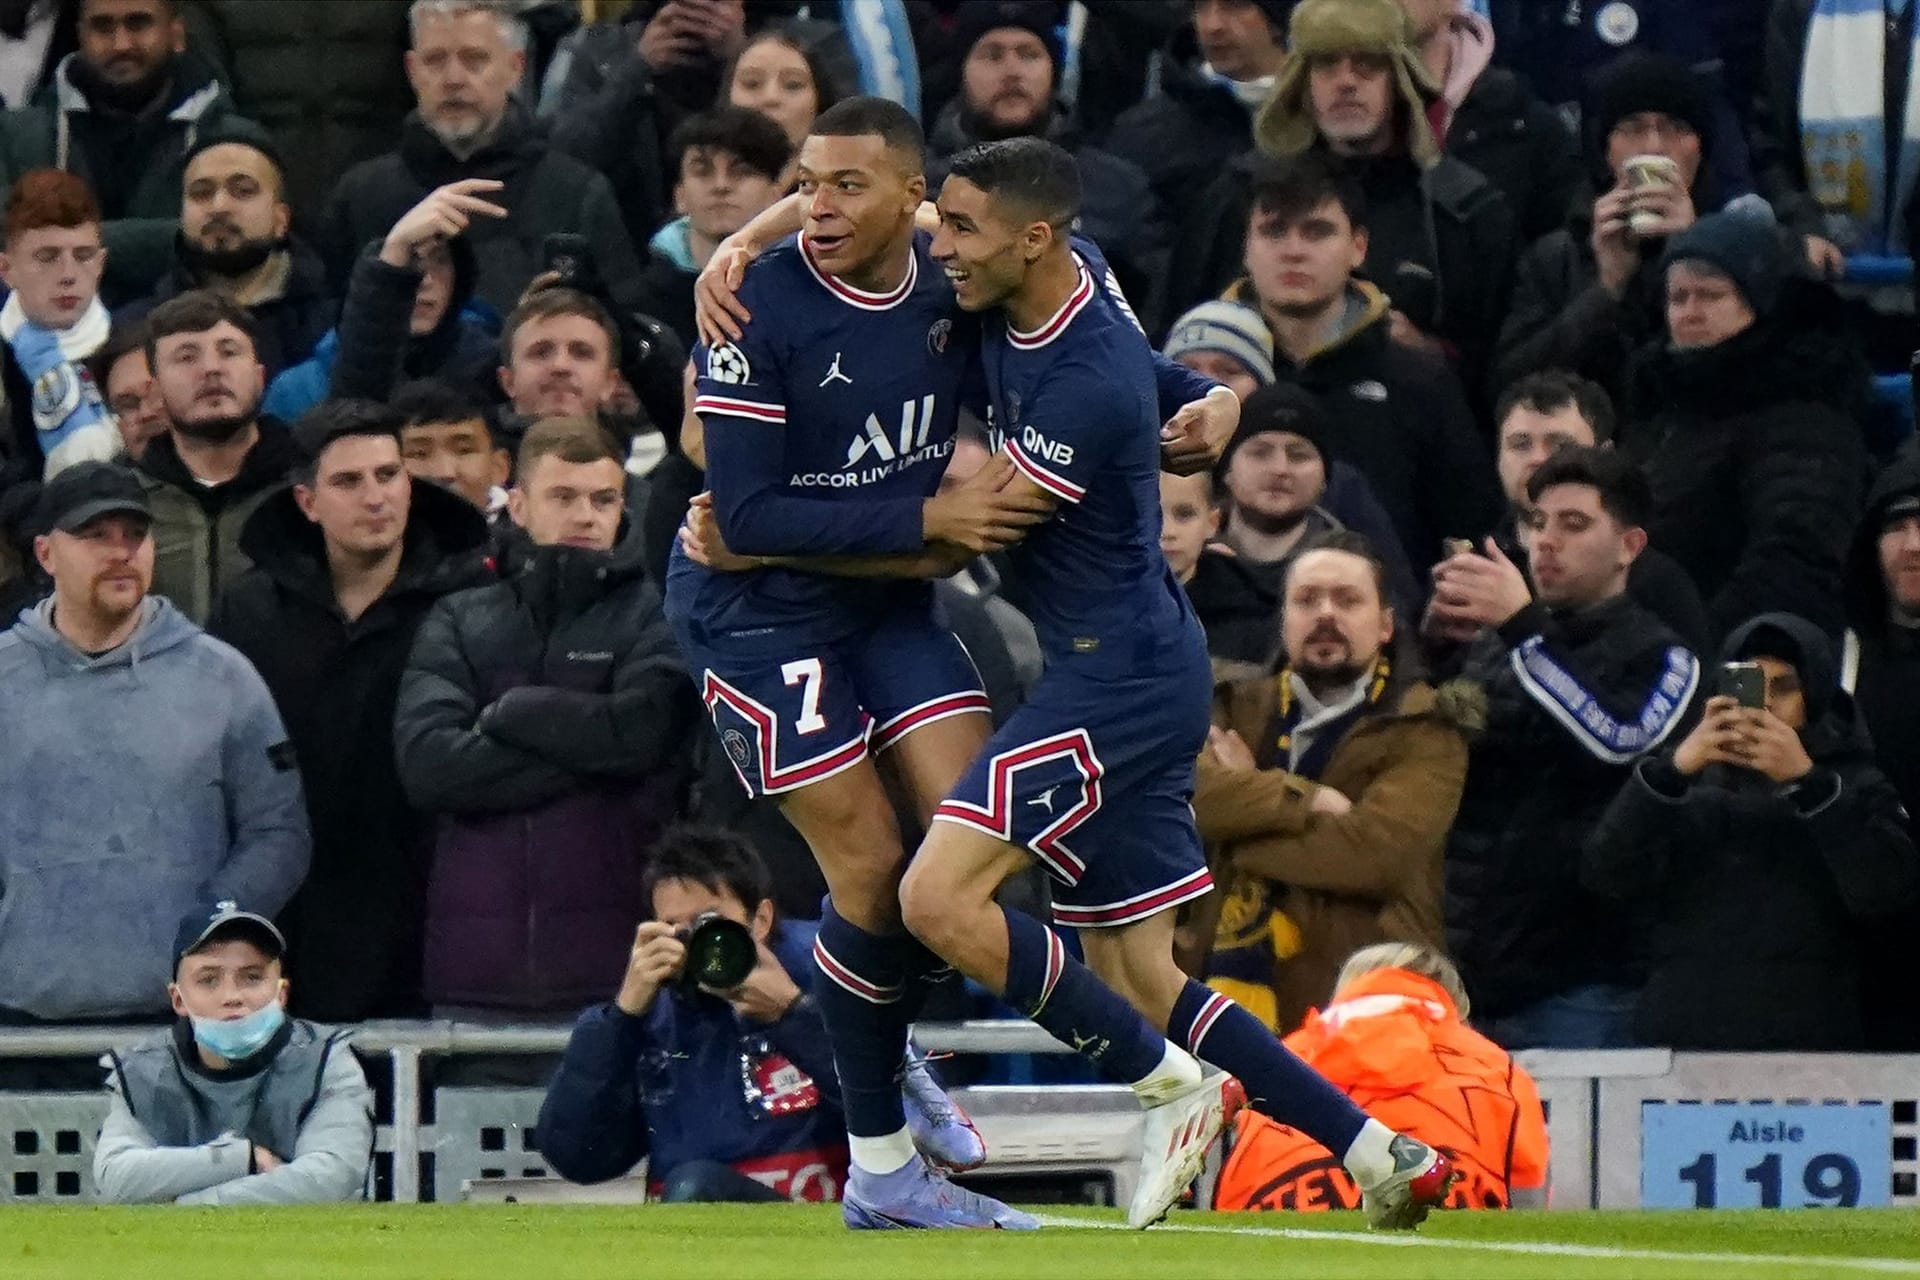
column 730, row 1096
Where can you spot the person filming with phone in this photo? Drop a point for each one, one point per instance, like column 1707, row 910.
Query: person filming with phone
column 711, row 1061
column 1757, row 847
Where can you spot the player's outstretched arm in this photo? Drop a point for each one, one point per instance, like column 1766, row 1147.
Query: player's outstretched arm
column 1197, row 435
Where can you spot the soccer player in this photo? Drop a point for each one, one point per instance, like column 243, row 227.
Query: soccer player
column 828, row 421
column 1092, row 776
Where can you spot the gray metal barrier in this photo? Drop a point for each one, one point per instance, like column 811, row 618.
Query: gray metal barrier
column 1596, row 1108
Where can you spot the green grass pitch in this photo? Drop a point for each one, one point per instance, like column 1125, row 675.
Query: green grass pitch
column 464, row 1242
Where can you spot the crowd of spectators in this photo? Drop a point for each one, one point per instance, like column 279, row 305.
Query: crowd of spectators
column 1562, row 577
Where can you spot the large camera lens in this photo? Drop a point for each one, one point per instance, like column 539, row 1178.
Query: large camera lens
column 720, row 951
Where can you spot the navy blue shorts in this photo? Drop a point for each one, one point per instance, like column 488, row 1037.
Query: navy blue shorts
column 1094, row 776
column 788, row 718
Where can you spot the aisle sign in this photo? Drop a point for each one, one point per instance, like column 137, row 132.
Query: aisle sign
column 1764, row 1155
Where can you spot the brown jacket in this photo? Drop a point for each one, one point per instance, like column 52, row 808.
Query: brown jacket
column 1372, row 875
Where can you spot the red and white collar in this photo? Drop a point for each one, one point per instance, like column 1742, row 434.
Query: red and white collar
column 1057, row 323
column 860, row 297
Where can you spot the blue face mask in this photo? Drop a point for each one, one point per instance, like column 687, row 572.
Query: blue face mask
column 240, row 1037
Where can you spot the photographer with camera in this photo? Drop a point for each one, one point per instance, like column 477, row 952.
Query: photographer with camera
column 711, row 1060
column 1759, row 847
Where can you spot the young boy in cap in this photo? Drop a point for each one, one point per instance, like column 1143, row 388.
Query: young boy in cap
column 236, row 1103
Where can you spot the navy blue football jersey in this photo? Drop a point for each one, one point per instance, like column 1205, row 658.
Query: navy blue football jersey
column 827, row 426
column 1077, row 405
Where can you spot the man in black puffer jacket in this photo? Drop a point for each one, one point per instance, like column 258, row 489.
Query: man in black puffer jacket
column 1748, row 418
column 346, row 562
column 469, row 126
column 545, row 721
column 1580, row 681
column 1769, row 838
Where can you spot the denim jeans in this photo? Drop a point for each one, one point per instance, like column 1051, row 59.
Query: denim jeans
column 1598, row 1016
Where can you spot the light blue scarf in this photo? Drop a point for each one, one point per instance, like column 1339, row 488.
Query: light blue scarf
column 1843, row 130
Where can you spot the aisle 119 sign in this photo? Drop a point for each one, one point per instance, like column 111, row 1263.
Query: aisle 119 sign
column 1764, row 1155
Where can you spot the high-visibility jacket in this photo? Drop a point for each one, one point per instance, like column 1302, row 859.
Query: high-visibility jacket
column 1395, row 1043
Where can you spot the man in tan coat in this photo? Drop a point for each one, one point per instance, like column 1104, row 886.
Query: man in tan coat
column 1325, row 794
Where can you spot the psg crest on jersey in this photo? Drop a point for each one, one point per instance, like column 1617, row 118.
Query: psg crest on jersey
column 728, row 363
column 937, row 337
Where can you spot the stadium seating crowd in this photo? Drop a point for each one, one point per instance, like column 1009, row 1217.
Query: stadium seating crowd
column 1573, row 343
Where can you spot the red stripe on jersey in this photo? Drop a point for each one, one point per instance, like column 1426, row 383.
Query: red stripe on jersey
column 1056, row 323
column 860, row 297
column 773, row 413
column 1057, row 485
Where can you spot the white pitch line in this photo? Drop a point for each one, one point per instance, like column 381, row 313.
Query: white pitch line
column 1888, row 1266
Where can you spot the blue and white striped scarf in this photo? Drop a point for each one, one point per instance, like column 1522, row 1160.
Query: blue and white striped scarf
column 1843, row 127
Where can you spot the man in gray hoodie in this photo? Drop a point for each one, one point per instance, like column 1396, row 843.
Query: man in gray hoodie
column 143, row 770
column 237, row 1103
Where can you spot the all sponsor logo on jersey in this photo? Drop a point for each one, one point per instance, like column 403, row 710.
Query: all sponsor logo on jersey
column 879, row 450
column 1061, row 455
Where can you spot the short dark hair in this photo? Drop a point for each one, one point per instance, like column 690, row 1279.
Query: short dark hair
column 1037, row 175
column 195, row 311
column 123, row 339
column 576, row 440
column 560, row 301
column 712, row 858
column 1347, row 542
column 336, row 419
column 755, row 139
column 1624, row 493
column 887, row 120
column 1291, row 187
column 430, row 401
column 1550, row 391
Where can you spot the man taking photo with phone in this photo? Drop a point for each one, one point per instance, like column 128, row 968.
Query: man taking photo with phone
column 1769, row 836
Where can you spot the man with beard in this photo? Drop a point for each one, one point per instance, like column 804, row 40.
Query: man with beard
column 144, row 770
column 1327, row 836
column 466, row 58
column 121, row 114
column 1008, row 81
column 1580, row 681
column 235, row 240
column 347, row 561
column 219, row 458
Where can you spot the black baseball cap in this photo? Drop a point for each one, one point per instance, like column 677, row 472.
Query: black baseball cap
column 222, row 921
column 82, row 493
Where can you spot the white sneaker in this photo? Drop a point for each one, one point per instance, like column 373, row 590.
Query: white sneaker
column 1179, row 1131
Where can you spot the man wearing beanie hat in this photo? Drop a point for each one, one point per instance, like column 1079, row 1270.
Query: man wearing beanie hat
column 1009, row 79
column 1402, row 418
column 1442, row 236
column 1586, row 295
column 1215, row 72
column 235, row 239
column 1746, row 415
column 1287, row 485
column 1225, row 341
column 121, row 113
